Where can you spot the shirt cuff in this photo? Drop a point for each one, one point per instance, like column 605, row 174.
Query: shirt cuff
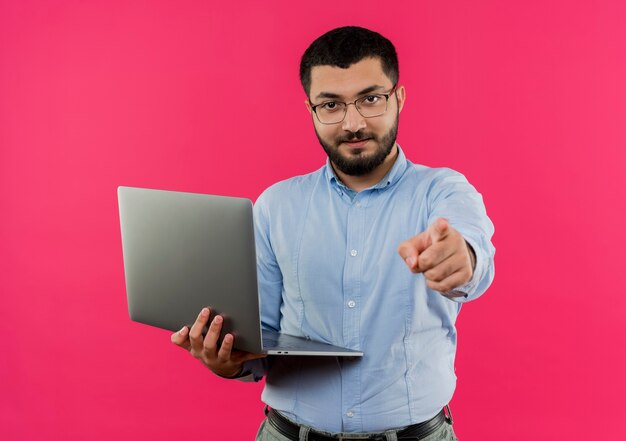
column 253, row 370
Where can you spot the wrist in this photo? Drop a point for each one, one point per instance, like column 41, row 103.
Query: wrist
column 240, row 373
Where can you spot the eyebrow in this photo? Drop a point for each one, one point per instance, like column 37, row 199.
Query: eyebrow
column 334, row 95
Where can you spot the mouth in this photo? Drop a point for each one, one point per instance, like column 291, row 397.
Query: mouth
column 357, row 143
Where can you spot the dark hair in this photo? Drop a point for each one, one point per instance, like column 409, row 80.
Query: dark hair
column 343, row 47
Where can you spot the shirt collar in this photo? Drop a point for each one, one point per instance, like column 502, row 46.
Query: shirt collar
column 392, row 176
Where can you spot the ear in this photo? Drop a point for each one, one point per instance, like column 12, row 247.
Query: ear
column 307, row 103
column 401, row 95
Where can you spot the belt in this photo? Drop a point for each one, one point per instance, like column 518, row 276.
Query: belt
column 414, row 432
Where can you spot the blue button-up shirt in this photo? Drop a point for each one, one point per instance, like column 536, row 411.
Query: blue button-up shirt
column 329, row 270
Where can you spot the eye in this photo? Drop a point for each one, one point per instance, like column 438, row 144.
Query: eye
column 371, row 99
column 329, row 106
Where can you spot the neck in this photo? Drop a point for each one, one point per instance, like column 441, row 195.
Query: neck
column 360, row 183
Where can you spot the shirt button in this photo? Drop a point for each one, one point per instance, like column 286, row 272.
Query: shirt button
column 358, row 204
column 353, row 253
column 349, row 414
column 351, row 304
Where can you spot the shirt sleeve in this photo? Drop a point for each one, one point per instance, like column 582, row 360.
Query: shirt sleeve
column 452, row 197
column 253, row 370
column 270, row 281
column 270, row 278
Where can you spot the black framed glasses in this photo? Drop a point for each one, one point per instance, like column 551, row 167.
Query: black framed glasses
column 369, row 106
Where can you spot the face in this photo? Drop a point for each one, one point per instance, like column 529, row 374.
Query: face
column 357, row 145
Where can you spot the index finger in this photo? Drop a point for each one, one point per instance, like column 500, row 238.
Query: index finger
column 410, row 251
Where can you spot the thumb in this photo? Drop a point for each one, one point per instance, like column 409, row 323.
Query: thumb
column 181, row 338
column 438, row 230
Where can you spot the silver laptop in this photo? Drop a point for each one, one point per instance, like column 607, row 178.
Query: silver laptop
column 185, row 251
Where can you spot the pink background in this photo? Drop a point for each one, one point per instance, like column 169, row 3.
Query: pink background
column 527, row 99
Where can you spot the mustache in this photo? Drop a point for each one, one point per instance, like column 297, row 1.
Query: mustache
column 355, row 136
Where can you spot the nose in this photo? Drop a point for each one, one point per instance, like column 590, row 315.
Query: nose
column 353, row 121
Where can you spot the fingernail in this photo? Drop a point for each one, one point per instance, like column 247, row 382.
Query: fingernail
column 183, row 330
column 218, row 319
column 205, row 312
column 410, row 261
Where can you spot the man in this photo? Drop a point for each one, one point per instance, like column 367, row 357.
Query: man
column 328, row 265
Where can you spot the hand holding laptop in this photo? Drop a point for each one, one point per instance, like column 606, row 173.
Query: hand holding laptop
column 186, row 250
column 223, row 360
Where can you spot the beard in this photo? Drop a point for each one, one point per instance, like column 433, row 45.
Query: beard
column 355, row 162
